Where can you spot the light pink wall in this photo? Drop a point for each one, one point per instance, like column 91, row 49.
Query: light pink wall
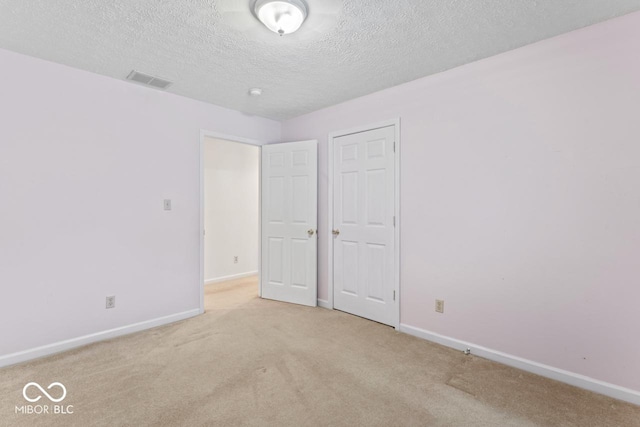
column 520, row 200
column 85, row 162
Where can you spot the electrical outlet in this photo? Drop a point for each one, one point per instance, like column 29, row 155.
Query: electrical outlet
column 235, row 259
column 111, row 301
column 440, row 306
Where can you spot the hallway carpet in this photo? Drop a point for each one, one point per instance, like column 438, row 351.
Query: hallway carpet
column 255, row 362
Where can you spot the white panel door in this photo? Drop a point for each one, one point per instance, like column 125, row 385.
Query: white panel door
column 289, row 222
column 363, row 224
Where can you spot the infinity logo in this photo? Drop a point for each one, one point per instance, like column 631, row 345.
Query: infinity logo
column 36, row 385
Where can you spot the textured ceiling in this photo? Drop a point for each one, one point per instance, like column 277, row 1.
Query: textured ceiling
column 216, row 50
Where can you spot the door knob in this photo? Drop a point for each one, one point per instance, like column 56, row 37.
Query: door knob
column 310, row 232
column 336, row 232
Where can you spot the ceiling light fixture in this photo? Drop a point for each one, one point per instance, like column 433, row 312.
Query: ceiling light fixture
column 281, row 16
column 255, row 91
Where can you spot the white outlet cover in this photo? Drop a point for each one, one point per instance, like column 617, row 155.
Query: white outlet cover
column 111, row 302
column 167, row 204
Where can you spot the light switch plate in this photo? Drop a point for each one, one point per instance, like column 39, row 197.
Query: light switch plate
column 167, row 204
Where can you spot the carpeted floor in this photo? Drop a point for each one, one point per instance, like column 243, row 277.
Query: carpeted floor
column 255, row 362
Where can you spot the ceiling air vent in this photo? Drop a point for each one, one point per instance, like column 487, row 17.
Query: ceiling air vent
column 148, row 80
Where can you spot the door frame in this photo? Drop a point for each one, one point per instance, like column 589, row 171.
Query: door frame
column 211, row 134
column 330, row 162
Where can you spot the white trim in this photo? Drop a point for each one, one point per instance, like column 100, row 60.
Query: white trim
column 49, row 349
column 547, row 371
column 398, row 222
column 332, row 136
column 329, row 231
column 324, row 304
column 206, row 133
column 230, row 277
column 260, row 222
column 201, row 241
column 210, row 134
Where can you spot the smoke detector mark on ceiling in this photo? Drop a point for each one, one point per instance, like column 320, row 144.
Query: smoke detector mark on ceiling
column 148, row 80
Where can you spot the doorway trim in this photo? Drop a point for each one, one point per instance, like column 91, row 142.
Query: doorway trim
column 392, row 122
column 211, row 134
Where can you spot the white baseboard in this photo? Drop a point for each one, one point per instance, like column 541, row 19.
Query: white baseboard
column 230, row 277
column 581, row 381
column 49, row 349
column 324, row 304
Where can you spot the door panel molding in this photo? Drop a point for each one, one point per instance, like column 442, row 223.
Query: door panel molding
column 346, row 153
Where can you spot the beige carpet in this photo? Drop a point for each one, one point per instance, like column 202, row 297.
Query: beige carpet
column 255, row 362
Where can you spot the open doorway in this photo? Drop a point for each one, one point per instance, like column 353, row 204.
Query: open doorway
column 287, row 224
column 231, row 217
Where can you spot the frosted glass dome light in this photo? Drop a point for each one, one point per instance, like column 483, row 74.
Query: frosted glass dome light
column 281, row 16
